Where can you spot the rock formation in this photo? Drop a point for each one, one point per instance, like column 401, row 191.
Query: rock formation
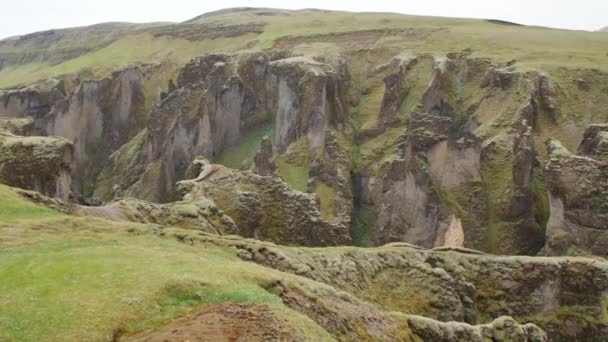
column 386, row 135
column 42, row 164
column 578, row 193
column 219, row 99
column 201, row 214
column 263, row 161
column 264, row 207
column 457, row 285
column 431, row 149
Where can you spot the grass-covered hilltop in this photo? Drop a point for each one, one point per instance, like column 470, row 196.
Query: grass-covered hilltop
column 274, row 175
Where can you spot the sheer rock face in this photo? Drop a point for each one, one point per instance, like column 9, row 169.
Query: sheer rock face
column 451, row 162
column 310, row 98
column 563, row 296
column 264, row 207
column 220, row 98
column 578, row 192
column 98, row 116
column 42, row 164
column 207, row 113
column 396, row 87
column 35, row 101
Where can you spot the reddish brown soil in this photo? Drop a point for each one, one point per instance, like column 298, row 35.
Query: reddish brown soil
column 226, row 322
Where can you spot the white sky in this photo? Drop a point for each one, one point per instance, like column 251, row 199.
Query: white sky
column 24, row 16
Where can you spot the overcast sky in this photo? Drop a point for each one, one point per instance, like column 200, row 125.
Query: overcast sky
column 24, row 16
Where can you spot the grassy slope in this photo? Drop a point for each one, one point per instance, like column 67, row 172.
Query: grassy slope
column 527, row 45
column 69, row 278
column 133, row 49
column 242, row 154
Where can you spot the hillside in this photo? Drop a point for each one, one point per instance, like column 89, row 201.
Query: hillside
column 304, row 175
column 100, row 48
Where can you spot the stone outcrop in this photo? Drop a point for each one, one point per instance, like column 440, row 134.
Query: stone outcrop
column 264, row 207
column 35, row 100
column 263, row 161
column 201, row 214
column 42, row 164
column 578, row 193
column 350, row 319
column 465, row 170
column 563, row 296
column 595, row 142
column 396, row 87
column 209, row 111
column 17, row 126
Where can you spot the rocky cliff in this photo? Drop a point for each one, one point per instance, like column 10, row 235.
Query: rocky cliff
column 398, row 145
column 578, row 193
column 433, row 142
column 42, row 164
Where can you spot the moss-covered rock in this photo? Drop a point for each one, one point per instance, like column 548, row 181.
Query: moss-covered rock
column 578, row 192
column 42, row 164
column 265, row 207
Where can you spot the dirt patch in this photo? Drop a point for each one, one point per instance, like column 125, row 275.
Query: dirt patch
column 226, row 322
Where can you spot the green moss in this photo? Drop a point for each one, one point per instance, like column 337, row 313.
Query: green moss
column 497, row 233
column 294, row 175
column 417, row 80
column 368, row 112
column 242, row 154
column 540, row 201
column 363, row 221
column 112, row 174
column 403, row 292
column 496, row 173
column 383, row 146
column 327, row 196
column 293, row 166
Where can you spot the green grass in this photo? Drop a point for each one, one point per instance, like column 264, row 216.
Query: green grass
column 14, row 208
column 527, row 45
column 132, row 49
column 294, row 175
column 85, row 279
column 242, row 154
column 75, row 290
column 293, row 165
column 67, row 278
